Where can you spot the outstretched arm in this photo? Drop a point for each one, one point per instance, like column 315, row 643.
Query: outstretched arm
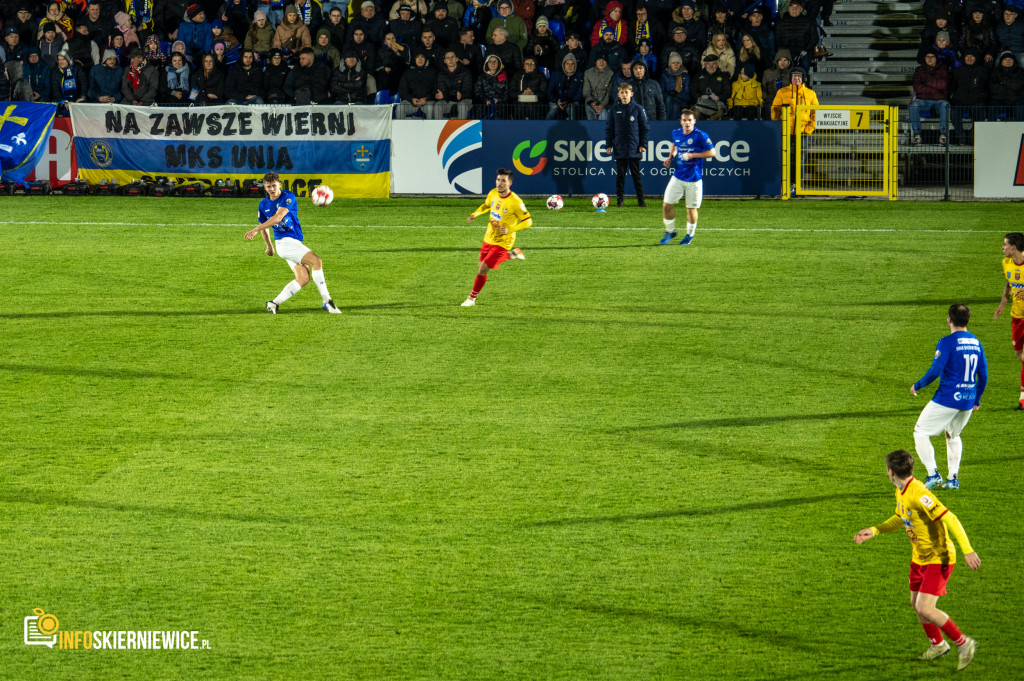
column 893, row 523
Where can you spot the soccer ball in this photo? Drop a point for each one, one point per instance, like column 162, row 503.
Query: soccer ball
column 555, row 202
column 600, row 201
column 322, row 196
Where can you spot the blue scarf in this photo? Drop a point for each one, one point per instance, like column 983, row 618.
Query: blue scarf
column 141, row 12
column 177, row 79
column 67, row 83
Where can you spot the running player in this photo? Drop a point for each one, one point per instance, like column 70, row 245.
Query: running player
column 962, row 371
column 1013, row 270
column 508, row 215
column 280, row 211
column 690, row 146
column 929, row 526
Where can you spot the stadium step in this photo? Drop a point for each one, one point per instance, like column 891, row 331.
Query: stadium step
column 863, row 66
column 880, row 8
column 840, row 43
column 903, row 55
column 912, row 31
column 863, row 77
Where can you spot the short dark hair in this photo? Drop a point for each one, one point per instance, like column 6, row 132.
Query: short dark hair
column 901, row 463
column 307, row 50
column 959, row 314
column 1016, row 239
column 271, row 177
column 506, row 172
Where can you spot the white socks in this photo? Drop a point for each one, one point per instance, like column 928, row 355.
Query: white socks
column 954, row 452
column 670, row 225
column 321, row 283
column 691, row 229
column 926, row 452
column 290, row 290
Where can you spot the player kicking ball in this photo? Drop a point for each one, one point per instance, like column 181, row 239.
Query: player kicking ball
column 690, row 146
column 508, row 215
column 930, row 527
column 279, row 211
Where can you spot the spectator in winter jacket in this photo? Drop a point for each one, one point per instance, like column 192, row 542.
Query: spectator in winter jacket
column 696, row 30
column 373, row 25
column 429, row 47
column 565, row 90
column 176, row 82
column 82, row 48
column 625, row 135
column 468, row 51
column 761, row 29
column 751, row 53
column 1010, row 33
column 208, row 83
column 309, row 81
column 105, row 80
column 573, row 45
column 444, row 28
column 416, row 88
column 612, row 19
column 609, row 49
column 647, row 93
column 234, row 14
column 25, row 24
column 515, row 26
column 99, row 27
column 310, row 14
column 1006, row 86
column 796, row 31
column 980, row 33
column 140, row 82
column 675, row 85
column 195, row 32
column 37, row 74
column 777, row 77
column 938, row 24
column 453, row 96
column 931, row 94
column 792, row 96
column 406, row 28
column 392, row 61
column 326, row 53
column 644, row 27
column 746, row 97
column 275, row 75
column 292, row 35
column 710, row 90
column 968, row 92
column 68, row 80
column 12, row 47
column 686, row 50
column 336, row 25
column 542, row 45
column 260, row 38
column 349, row 84
column 529, row 90
column 50, row 45
column 509, row 53
column 597, row 89
column 719, row 21
column 244, row 84
column 719, row 47
column 491, row 89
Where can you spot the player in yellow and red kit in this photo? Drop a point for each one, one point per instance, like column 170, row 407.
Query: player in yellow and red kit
column 1013, row 270
column 929, row 525
column 508, row 215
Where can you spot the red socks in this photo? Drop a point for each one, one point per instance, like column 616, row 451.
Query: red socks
column 478, row 284
column 933, row 632
column 953, row 632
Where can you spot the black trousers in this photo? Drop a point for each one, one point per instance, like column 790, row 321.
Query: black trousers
column 633, row 164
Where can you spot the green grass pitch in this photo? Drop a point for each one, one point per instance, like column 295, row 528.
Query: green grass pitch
column 627, row 462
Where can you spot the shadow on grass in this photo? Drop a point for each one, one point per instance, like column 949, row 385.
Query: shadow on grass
column 765, row 505
column 440, row 249
column 13, row 496
column 748, row 421
column 70, row 314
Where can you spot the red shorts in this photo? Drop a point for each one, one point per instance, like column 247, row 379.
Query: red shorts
column 1017, row 331
column 493, row 256
column 930, row 579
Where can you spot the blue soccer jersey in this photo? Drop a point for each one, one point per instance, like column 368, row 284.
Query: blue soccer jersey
column 289, row 227
column 961, row 369
column 694, row 143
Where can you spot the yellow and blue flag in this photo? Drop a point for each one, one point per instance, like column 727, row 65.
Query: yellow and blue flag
column 24, row 130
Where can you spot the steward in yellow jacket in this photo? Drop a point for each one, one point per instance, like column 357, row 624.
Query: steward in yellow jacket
column 792, row 96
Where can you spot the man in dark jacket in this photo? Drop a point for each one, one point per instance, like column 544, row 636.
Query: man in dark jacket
column 274, row 77
column 625, row 134
column 105, row 80
column 968, row 92
column 710, row 90
column 37, row 75
column 454, row 90
column 100, row 28
column 348, row 82
column 686, row 50
column 373, row 25
column 609, row 49
column 931, row 93
column 565, row 91
column 245, row 81
column 508, row 52
column 12, row 47
column 308, row 82
column 1010, row 32
column 416, row 88
column 1006, row 86
column 406, row 28
column 139, row 83
column 796, row 31
column 444, row 28
column 696, row 30
column 647, row 93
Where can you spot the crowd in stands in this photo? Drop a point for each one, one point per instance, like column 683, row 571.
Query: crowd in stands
column 972, row 58
column 478, row 58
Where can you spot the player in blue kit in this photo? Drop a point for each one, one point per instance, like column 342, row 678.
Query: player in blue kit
column 690, row 146
column 962, row 371
column 279, row 212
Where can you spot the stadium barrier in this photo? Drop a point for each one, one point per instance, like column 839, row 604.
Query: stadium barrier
column 845, row 151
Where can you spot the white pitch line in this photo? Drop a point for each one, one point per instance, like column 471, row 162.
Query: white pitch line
column 653, row 227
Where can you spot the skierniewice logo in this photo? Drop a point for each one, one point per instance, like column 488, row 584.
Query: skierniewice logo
column 43, row 629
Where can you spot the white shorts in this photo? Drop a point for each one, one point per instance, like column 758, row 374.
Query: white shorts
column 677, row 190
column 292, row 250
column 935, row 419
